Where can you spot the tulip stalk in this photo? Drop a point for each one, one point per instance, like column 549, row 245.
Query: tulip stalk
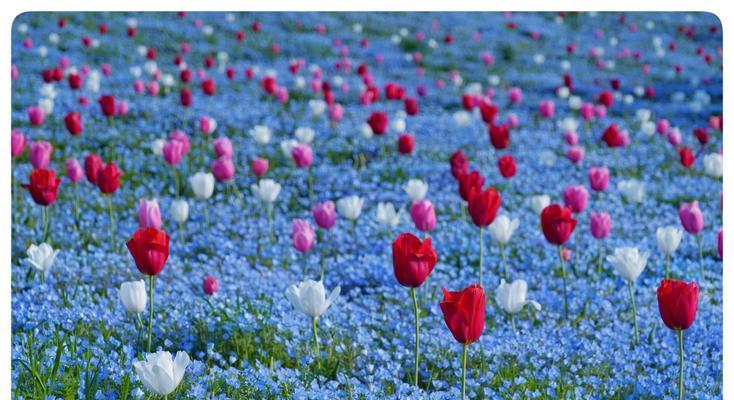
column 680, row 372
column 45, row 217
column 75, row 207
column 634, row 312
column 463, row 373
column 599, row 261
column 177, row 180
column 417, row 333
column 206, row 217
column 310, row 185
column 699, row 241
column 667, row 266
column 150, row 317
column 481, row 255
column 112, row 219
column 504, row 266
column 315, row 337
column 563, row 275
column 269, row 214
column 181, row 232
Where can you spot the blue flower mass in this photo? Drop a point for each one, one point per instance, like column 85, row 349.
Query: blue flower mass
column 657, row 76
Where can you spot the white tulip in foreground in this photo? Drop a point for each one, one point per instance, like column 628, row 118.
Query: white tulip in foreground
column 511, row 297
column 668, row 241
column 267, row 190
column 310, row 297
column 202, row 183
column 41, row 257
column 133, row 296
column 161, row 373
column 350, row 207
column 387, row 216
column 629, row 263
column 416, row 189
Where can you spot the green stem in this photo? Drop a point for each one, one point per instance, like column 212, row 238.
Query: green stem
column 634, row 312
column 700, row 257
column 43, row 277
column 417, row 332
column 112, row 219
column 180, row 232
column 481, row 255
column 150, row 317
column 667, row 266
column 269, row 214
column 44, row 214
column 315, row 337
column 322, row 265
column 310, row 185
column 563, row 274
column 176, row 179
column 463, row 373
column 578, row 258
column 75, row 206
column 599, row 261
column 504, row 262
column 680, row 373
column 512, row 320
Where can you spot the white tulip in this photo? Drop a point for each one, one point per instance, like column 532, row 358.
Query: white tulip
column 633, row 190
column 714, row 165
column 47, row 105
column 538, row 203
column 648, row 128
column 202, row 183
column 160, row 373
column 398, row 125
column 133, row 296
column 366, row 131
column 416, row 189
column 628, row 261
column 502, row 228
column 350, row 207
column 261, row 134
column 511, row 298
column 669, row 239
column 305, row 134
column 643, row 115
column 48, row 91
column 386, row 215
column 180, row 211
column 287, row 147
column 136, row 71
column 462, row 118
column 266, row 190
column 41, row 257
column 568, row 124
column 53, row 38
column 317, row 107
column 157, row 146
column 310, row 297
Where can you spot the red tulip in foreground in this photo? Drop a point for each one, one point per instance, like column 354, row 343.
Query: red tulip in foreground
column 149, row 248
column 677, row 302
column 413, row 261
column 483, row 208
column 558, row 224
column 463, row 313
column 43, row 186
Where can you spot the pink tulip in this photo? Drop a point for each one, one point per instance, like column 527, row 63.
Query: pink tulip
column 691, row 217
column 571, row 138
column 547, row 108
column 324, row 214
column 587, row 111
column 302, row 155
column 600, row 111
column 153, row 88
column 662, row 126
column 575, row 197
column 17, row 142
column 601, row 224
column 260, row 166
column 139, row 86
column 515, row 95
column 599, row 178
column 302, row 235
column 206, row 125
column 210, row 285
column 336, row 112
column 173, row 151
column 36, row 115
column 566, row 253
column 74, row 170
column 121, row 108
column 575, row 154
column 674, row 137
column 423, row 214
column 40, row 154
column 223, row 147
column 223, row 169
column 513, row 121
column 183, row 138
column 149, row 214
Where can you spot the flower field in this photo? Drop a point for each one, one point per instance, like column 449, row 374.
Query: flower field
column 367, row 205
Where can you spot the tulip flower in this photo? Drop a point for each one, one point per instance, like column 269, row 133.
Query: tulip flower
column 469, row 183
column 599, row 179
column 43, row 186
column 223, row 169
column 464, row 315
column 413, row 261
column 668, row 241
column 261, row 134
column 714, row 165
column 350, row 207
column 310, row 297
column 161, row 373
column 324, row 214
column 507, row 166
column 92, row 165
column 677, row 303
column 303, row 158
column 538, row 203
column 501, row 231
column 149, row 214
column 36, row 115
column 303, row 236
column 260, row 166
column 691, row 218
column 387, row 216
column 632, row 190
column 40, row 154
column 459, row 164
column 267, row 190
column 202, row 184
column 173, row 152
column 629, row 263
column 210, row 285
column 149, row 249
column 73, row 122
column 424, row 215
column 416, row 189
column 180, row 213
column 575, row 198
column 511, row 298
column 223, row 147
column 601, row 225
column 558, row 224
column 41, row 258
column 133, row 297
column 108, row 181
column 483, row 208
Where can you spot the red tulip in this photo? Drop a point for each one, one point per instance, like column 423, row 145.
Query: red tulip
column 413, row 260
column 488, row 111
column 406, row 143
column 186, row 97
column 378, row 122
column 557, row 223
column 686, row 156
column 411, row 106
column 507, row 166
column 701, row 135
column 149, row 248
column 483, row 206
column 210, row 285
column 43, row 185
column 464, row 314
column 208, row 87
column 107, row 104
column 459, row 164
column 606, row 98
column 612, row 136
column 108, row 178
column 75, row 81
column 677, row 302
column 73, row 122
column 470, row 183
column 92, row 165
column 499, row 135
